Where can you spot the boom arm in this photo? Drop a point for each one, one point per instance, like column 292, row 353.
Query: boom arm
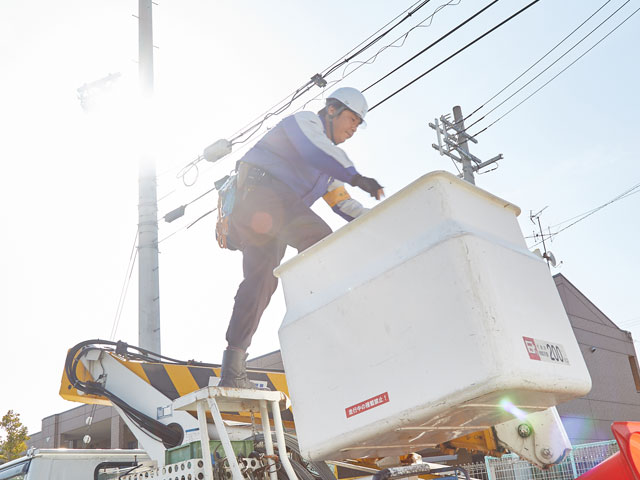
column 142, row 386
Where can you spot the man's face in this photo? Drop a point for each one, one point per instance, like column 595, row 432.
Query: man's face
column 344, row 125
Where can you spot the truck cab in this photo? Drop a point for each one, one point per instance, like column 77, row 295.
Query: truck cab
column 66, row 464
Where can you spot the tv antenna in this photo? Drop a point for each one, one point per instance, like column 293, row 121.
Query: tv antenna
column 547, row 255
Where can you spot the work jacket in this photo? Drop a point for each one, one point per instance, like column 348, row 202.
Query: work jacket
column 298, row 152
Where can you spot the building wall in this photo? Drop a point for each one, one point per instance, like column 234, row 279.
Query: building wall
column 269, row 361
column 68, row 429
column 610, row 357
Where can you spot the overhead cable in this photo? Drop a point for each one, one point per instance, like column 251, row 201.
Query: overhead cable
column 350, row 56
column 179, row 211
column 547, row 68
column 125, row 287
column 578, row 218
column 404, row 36
column 412, row 9
column 631, row 322
column 633, row 190
column 171, row 234
column 555, row 76
column 422, row 24
column 187, row 226
column 250, row 129
column 319, row 79
column 456, row 53
column 538, row 61
column 433, row 44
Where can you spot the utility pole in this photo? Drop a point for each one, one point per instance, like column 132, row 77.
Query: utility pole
column 467, row 168
column 452, row 137
column 148, row 276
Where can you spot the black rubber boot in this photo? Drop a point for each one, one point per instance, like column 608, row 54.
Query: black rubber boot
column 234, row 370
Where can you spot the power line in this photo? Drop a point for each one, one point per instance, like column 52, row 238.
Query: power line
column 253, row 129
column 517, row 13
column 186, row 227
column 180, row 210
column 433, row 44
column 594, row 210
column 254, row 126
column 205, row 170
column 168, row 194
column 631, row 322
column 194, row 163
column 555, row 76
column 547, row 68
column 320, row 79
column 627, row 193
column 454, row 54
column 172, row 234
column 374, row 57
column 337, row 64
column 125, row 287
column 538, row 61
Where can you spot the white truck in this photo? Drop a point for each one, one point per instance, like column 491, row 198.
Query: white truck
column 424, row 323
column 62, row 464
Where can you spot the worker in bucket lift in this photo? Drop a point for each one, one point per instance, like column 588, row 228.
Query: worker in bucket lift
column 292, row 166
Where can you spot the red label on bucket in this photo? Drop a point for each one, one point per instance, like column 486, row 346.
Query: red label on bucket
column 367, row 404
column 532, row 349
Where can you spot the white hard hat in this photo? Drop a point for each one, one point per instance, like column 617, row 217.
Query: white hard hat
column 353, row 99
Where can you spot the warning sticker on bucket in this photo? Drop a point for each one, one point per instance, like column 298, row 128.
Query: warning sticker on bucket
column 546, row 351
column 367, row 404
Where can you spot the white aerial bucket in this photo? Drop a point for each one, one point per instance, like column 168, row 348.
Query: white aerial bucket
column 421, row 321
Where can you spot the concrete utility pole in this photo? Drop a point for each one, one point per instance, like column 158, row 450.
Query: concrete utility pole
column 467, row 168
column 148, row 281
column 452, row 137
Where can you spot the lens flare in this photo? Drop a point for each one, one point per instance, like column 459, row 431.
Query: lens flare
column 508, row 406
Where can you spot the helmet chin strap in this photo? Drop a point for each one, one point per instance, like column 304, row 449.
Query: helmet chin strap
column 338, row 111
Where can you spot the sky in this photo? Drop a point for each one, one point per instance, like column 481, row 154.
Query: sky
column 69, row 183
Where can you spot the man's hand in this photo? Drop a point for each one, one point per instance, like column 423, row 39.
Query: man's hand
column 369, row 185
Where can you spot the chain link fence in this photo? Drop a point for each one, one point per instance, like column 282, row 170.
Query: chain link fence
column 510, row 467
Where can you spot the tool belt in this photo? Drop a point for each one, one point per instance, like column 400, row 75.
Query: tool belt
column 229, row 189
column 249, row 175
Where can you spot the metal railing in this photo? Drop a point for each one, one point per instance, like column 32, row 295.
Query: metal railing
column 510, row 467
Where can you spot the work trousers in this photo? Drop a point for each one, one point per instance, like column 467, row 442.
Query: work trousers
column 267, row 217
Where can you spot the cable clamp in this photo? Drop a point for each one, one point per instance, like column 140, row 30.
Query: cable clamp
column 319, row 80
column 121, row 348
